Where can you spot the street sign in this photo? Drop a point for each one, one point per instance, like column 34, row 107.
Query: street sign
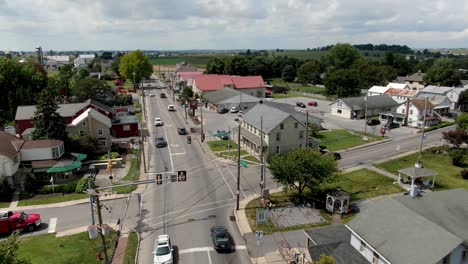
column 424, row 136
column 259, row 234
column 189, row 140
column 262, row 216
column 174, row 178
column 182, row 176
column 244, row 164
column 158, row 179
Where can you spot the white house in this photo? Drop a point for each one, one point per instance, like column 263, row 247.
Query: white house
column 377, row 90
column 415, row 110
column 355, row 107
column 441, row 103
column 400, row 86
column 83, row 60
column 33, row 150
column 453, row 96
column 452, row 93
column 10, row 157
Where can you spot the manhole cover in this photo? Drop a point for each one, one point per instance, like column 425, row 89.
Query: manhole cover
column 232, row 218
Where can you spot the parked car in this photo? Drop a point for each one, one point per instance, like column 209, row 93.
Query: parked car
column 300, row 104
column 158, row 122
column 182, row 131
column 221, row 238
column 234, row 109
column 392, row 125
column 151, row 94
column 171, row 108
column 163, row 250
column 373, row 122
column 222, row 110
column 452, row 115
column 324, row 151
column 163, row 95
column 312, row 103
column 224, row 134
column 161, row 142
column 11, row 221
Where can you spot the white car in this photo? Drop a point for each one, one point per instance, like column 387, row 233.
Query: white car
column 158, row 122
column 163, row 250
column 171, row 108
column 151, row 95
column 234, row 109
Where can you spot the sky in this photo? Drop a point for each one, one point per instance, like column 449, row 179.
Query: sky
column 229, row 24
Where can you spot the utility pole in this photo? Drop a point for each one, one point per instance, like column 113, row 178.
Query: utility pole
column 262, row 174
column 103, row 238
column 365, row 117
column 201, row 116
column 418, row 163
column 91, row 201
column 238, row 164
column 307, row 129
column 141, row 134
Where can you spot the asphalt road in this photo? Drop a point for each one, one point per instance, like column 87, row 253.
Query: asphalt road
column 187, row 210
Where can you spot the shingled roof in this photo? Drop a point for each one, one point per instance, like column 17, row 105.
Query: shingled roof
column 10, row 145
column 376, row 101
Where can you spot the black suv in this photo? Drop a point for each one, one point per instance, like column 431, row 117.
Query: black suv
column 160, row 142
column 163, row 95
column 221, row 238
column 373, row 122
column 300, row 104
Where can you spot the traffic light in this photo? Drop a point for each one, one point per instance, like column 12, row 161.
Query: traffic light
column 202, row 137
column 189, row 140
column 182, row 176
column 158, row 179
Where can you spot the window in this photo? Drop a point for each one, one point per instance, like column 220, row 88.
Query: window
column 363, row 246
column 102, row 143
column 301, row 134
column 55, row 152
column 402, row 111
column 83, row 123
column 277, row 150
column 446, row 260
column 375, row 259
column 278, row 136
column 100, row 132
column 339, row 103
column 338, row 111
column 62, row 149
column 411, row 111
column 126, row 127
column 281, row 126
column 296, row 125
column 465, row 255
column 81, row 133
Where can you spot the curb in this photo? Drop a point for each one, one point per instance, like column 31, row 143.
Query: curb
column 69, row 203
column 138, row 247
column 365, row 145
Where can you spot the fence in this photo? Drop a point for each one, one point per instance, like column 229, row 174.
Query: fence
column 318, row 96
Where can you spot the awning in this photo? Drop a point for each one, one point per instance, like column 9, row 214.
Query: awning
column 81, row 157
column 65, row 168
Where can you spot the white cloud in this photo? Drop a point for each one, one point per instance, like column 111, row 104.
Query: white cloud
column 227, row 24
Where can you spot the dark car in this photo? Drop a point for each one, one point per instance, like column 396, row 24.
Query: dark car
column 452, row 115
column 373, row 122
column 161, row 142
column 182, row 131
column 324, row 151
column 300, row 104
column 221, row 238
column 163, row 95
column 392, row 125
column 222, row 110
column 224, row 134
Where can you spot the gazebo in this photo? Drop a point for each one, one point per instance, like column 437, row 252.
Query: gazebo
column 416, row 173
column 337, row 201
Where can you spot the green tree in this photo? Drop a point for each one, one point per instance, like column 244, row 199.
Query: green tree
column 91, row 88
column 303, row 167
column 370, row 74
column 463, row 101
column 215, row 65
column 325, row 259
column 65, row 79
column 235, row 65
column 442, row 73
column 48, row 124
column 309, row 72
column 288, row 74
column 9, row 250
column 456, row 137
column 187, row 92
column 342, row 56
column 342, row 82
column 462, row 121
column 135, row 62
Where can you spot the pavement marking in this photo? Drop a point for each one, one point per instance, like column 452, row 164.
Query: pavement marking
column 197, row 212
column 208, row 249
column 233, row 196
column 52, row 225
column 175, row 145
column 180, row 153
column 170, row 154
column 242, row 190
column 209, row 257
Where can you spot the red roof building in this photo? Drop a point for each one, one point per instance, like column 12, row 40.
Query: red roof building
column 253, row 85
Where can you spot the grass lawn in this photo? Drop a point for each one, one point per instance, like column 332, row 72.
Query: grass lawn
column 36, row 200
column 342, row 139
column 222, row 145
column 364, row 183
column 251, row 158
column 279, row 199
column 75, row 248
column 127, row 84
column 449, row 176
column 131, row 249
column 233, row 153
column 4, row 204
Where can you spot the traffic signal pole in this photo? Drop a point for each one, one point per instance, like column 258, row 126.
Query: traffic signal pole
column 238, row 165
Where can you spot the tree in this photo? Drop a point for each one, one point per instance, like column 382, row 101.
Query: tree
column 463, row 101
column 48, row 124
column 462, row 121
column 187, row 92
column 135, row 62
column 9, row 250
column 309, row 72
column 65, row 79
column 91, row 89
column 303, row 167
column 456, row 137
column 442, row 73
column 288, row 74
column 235, row 65
column 342, row 82
column 342, row 56
column 325, row 259
column 215, row 66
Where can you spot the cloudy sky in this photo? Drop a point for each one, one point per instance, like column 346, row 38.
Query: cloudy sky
column 229, row 24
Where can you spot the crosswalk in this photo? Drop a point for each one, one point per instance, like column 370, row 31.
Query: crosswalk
column 52, row 225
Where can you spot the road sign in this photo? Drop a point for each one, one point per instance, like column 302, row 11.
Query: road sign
column 259, row 234
column 189, row 140
column 158, row 179
column 182, row 176
column 244, row 164
column 424, row 136
column 262, row 216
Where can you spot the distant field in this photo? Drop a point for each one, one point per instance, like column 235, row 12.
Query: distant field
column 199, row 60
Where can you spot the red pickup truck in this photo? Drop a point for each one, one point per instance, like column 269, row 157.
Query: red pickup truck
column 11, row 221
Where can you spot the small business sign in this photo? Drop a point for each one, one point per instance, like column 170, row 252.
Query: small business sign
column 262, row 216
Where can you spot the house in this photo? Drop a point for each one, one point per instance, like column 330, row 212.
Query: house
column 400, row 95
column 83, row 60
column 431, row 229
column 94, row 124
column 355, row 107
column 441, row 103
column 184, row 67
column 412, row 113
column 252, row 85
column 452, row 93
column 400, row 86
column 274, row 89
column 414, row 81
column 125, row 125
column 282, row 132
column 377, row 90
column 187, row 77
column 10, row 157
column 55, row 62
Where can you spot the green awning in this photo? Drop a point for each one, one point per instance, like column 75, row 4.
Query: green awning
column 55, row 169
column 81, row 157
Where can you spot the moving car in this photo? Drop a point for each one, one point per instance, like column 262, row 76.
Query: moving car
column 300, row 104
column 158, row 122
column 182, row 131
column 163, row 95
column 151, row 94
column 312, row 103
column 392, row 125
column 163, row 250
column 234, row 109
column 373, row 122
column 160, row 142
column 221, row 238
column 222, row 110
column 11, row 221
column 171, row 108
column 324, row 151
column 224, row 134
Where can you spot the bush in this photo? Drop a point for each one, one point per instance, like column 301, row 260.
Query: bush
column 5, row 190
column 114, row 155
column 82, row 184
column 30, row 182
column 25, row 195
column 464, row 174
column 63, row 188
column 458, row 157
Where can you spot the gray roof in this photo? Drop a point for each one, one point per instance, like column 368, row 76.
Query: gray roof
column 434, row 89
column 334, row 241
column 414, row 172
column 252, row 137
column 376, row 101
column 272, row 117
column 415, row 231
column 219, row 95
column 26, row 112
column 301, row 117
column 415, row 77
column 435, row 99
column 245, row 98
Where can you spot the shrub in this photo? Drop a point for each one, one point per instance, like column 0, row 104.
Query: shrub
column 63, row 188
column 114, row 155
column 464, row 174
column 30, row 182
column 82, row 184
column 5, row 190
column 458, row 157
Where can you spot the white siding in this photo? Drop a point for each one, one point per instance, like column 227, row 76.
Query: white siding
column 340, row 110
column 36, row 154
column 8, row 167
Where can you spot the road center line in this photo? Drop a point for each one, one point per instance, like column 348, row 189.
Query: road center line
column 233, row 196
column 180, row 153
column 208, row 249
column 197, row 212
column 52, row 225
column 209, row 257
column 169, row 149
column 232, row 175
